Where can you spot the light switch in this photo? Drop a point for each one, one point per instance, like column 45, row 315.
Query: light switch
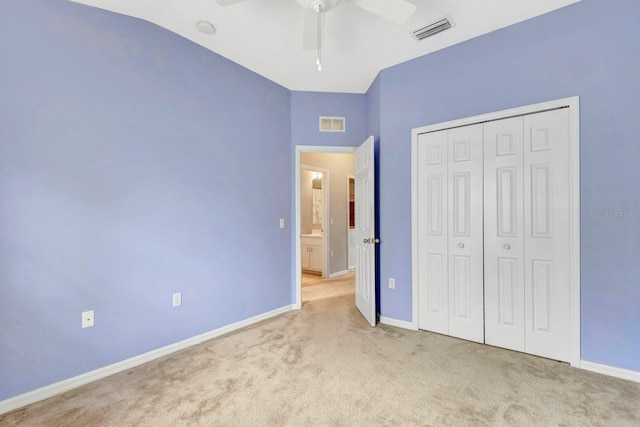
column 281, row 222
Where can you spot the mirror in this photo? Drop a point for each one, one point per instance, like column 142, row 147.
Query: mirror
column 316, row 190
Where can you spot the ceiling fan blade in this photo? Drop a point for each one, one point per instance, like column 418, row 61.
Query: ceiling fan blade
column 310, row 34
column 396, row 11
column 228, row 2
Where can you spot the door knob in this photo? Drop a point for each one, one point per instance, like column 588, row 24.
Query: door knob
column 461, row 245
column 365, row 241
column 376, row 240
column 507, row 246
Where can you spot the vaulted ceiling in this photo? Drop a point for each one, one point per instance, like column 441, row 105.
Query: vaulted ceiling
column 266, row 36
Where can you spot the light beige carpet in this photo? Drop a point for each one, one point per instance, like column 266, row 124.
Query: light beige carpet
column 312, row 279
column 315, row 287
column 324, row 366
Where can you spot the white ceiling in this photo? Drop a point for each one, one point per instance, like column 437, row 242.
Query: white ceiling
column 265, row 36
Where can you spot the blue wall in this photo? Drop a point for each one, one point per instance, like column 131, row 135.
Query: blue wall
column 133, row 164
column 560, row 54
column 306, row 107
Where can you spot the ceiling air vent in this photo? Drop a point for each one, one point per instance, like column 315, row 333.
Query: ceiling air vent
column 435, row 28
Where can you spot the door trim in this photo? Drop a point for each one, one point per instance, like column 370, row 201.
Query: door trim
column 573, row 103
column 297, row 282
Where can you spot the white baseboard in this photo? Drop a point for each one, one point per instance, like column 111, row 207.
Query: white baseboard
column 338, row 274
column 397, row 323
column 71, row 383
column 611, row 371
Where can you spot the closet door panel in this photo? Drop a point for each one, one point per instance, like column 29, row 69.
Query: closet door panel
column 546, row 221
column 507, row 292
column 466, row 311
column 504, row 234
column 433, row 284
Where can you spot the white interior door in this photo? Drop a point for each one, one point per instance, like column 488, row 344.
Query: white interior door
column 504, row 233
column 365, row 232
column 465, row 240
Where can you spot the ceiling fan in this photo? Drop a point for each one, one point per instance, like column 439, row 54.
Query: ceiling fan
column 396, row 11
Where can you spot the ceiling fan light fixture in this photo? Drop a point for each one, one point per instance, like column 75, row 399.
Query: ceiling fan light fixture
column 319, row 6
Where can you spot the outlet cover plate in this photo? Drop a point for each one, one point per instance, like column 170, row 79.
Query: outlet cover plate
column 177, row 299
column 87, row 319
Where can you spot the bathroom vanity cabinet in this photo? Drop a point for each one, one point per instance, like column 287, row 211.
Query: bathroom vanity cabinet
column 312, row 253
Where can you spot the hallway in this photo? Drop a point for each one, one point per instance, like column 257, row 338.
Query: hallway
column 315, row 287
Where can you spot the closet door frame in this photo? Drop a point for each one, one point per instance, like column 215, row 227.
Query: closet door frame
column 573, row 103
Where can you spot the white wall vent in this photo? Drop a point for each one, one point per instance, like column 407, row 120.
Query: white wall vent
column 432, row 29
column 332, row 124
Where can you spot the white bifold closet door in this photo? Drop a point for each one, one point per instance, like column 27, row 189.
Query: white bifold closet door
column 493, row 233
column 547, row 246
column 504, row 233
column 451, row 243
column 526, row 191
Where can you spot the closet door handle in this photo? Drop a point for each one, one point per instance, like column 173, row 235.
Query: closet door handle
column 461, row 245
column 365, row 241
column 507, row 246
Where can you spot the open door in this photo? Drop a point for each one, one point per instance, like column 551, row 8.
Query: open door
column 364, row 232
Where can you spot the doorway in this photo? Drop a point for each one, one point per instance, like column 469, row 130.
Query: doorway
column 361, row 163
column 335, row 225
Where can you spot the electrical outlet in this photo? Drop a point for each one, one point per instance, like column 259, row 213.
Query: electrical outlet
column 87, row 319
column 392, row 283
column 177, row 299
